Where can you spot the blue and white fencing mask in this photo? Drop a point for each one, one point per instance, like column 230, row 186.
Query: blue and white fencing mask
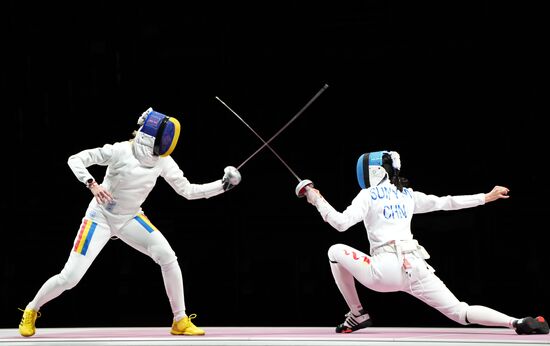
column 157, row 136
column 374, row 167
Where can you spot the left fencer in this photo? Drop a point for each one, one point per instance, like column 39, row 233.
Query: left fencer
column 133, row 167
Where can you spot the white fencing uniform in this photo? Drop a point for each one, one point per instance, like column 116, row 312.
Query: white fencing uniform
column 397, row 262
column 129, row 182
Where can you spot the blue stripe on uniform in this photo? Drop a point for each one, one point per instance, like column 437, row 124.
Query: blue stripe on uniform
column 88, row 238
column 144, row 224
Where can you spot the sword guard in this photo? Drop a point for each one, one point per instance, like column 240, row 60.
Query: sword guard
column 301, row 188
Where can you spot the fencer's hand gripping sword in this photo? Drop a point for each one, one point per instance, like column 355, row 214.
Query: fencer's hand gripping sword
column 302, row 184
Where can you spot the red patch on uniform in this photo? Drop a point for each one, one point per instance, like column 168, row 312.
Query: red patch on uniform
column 353, row 254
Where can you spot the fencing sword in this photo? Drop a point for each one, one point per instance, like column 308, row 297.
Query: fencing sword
column 302, row 183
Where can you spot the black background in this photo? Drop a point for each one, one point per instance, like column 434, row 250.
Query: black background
column 456, row 87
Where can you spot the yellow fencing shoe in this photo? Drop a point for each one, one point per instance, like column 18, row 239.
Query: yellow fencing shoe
column 186, row 327
column 26, row 327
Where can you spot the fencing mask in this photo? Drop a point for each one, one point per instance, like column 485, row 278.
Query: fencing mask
column 157, row 136
column 374, row 167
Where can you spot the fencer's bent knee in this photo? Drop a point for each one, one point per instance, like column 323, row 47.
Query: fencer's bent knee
column 162, row 254
column 332, row 251
column 456, row 312
column 174, row 265
column 68, row 279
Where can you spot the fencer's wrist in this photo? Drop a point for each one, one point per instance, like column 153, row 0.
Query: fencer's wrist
column 318, row 200
column 90, row 183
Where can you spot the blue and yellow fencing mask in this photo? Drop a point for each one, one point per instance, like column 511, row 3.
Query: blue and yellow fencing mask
column 165, row 130
column 157, row 137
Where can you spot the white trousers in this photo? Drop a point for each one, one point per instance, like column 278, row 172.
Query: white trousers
column 385, row 273
column 95, row 231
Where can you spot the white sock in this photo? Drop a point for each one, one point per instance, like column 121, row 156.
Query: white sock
column 179, row 316
column 488, row 317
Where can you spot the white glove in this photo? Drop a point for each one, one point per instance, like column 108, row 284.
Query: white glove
column 313, row 195
column 231, row 178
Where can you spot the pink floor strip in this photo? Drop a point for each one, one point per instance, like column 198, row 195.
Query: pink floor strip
column 278, row 335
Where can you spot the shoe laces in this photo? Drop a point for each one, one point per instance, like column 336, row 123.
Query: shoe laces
column 190, row 317
column 28, row 316
column 352, row 320
column 349, row 318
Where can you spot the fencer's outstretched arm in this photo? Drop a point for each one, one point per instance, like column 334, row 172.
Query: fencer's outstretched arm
column 428, row 203
column 340, row 221
column 423, row 203
column 175, row 178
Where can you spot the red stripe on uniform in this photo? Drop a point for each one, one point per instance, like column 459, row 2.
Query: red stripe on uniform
column 80, row 232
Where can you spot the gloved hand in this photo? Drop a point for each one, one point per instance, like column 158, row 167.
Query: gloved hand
column 231, row 178
column 313, row 195
column 305, row 188
column 301, row 188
